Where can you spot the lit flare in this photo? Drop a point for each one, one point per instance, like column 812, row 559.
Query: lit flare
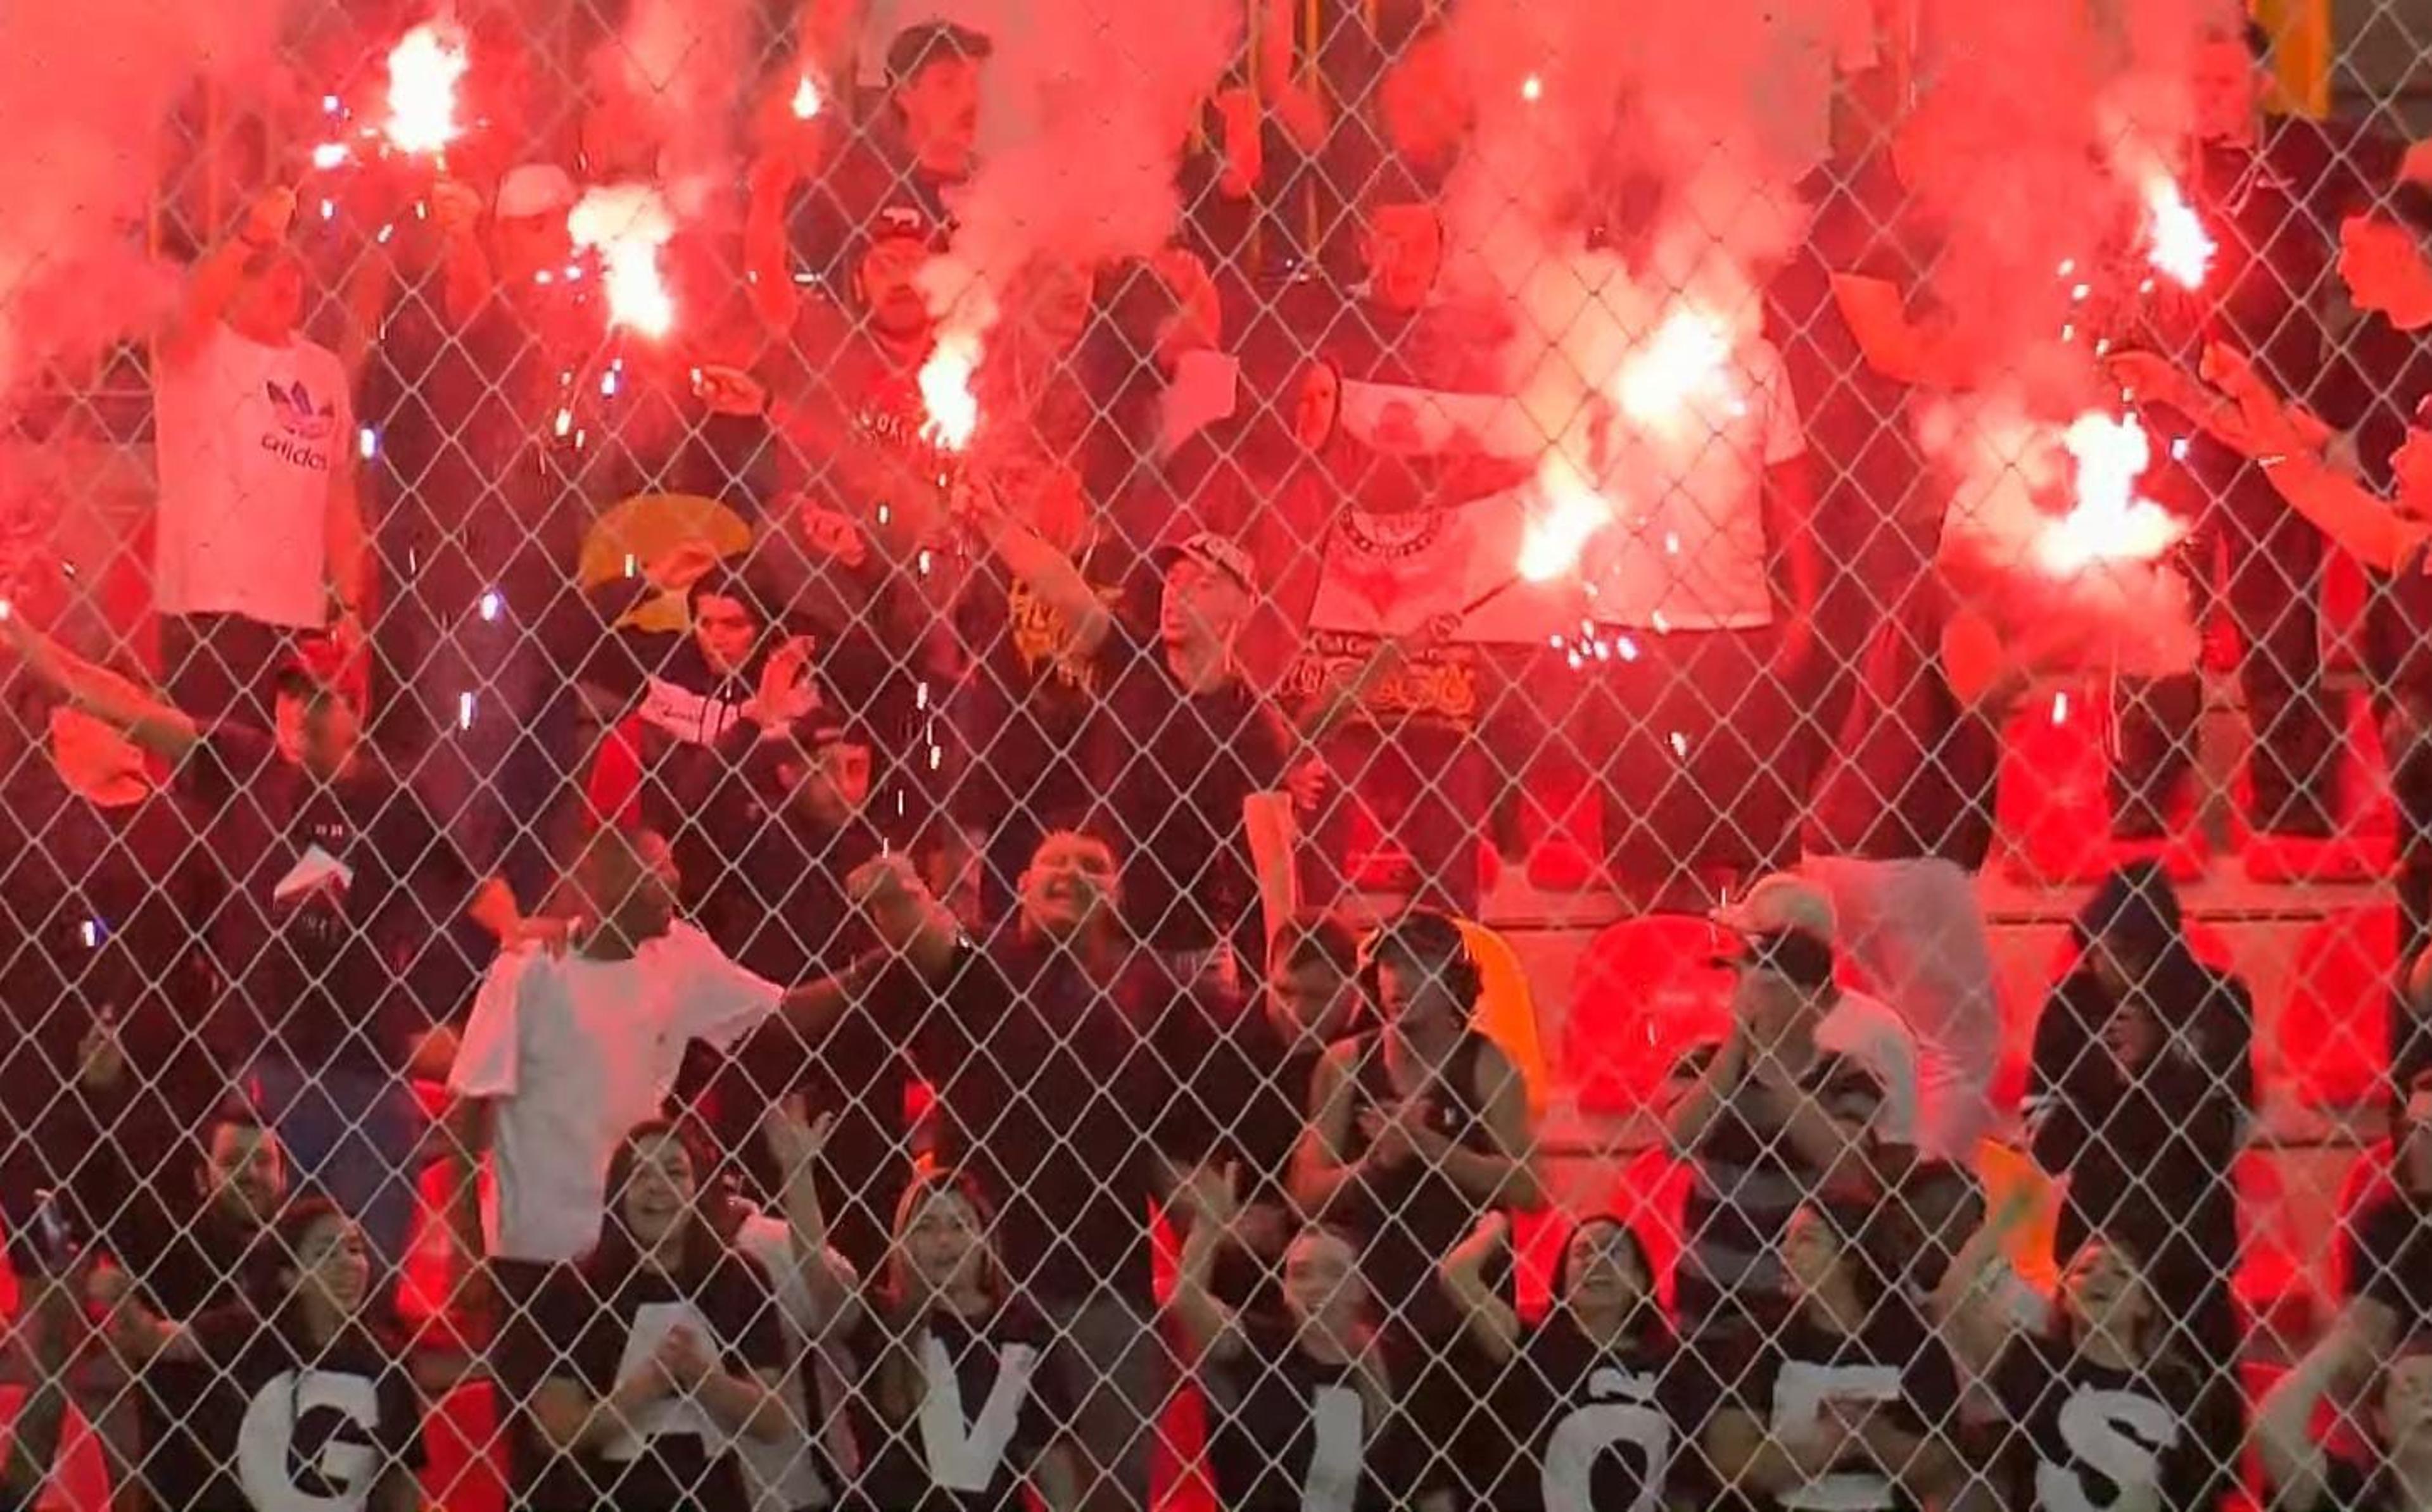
column 2181, row 248
column 423, row 69
column 628, row 225
column 2108, row 520
column 953, row 409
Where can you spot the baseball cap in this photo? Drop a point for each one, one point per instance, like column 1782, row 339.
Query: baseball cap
column 534, row 189
column 1782, row 902
column 1210, row 549
column 933, row 41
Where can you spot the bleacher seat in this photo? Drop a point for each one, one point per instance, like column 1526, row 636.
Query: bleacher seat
column 1645, row 993
column 2333, row 1033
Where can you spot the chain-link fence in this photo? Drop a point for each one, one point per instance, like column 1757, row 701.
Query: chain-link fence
column 943, row 755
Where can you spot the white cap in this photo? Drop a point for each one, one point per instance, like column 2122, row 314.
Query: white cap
column 1782, row 901
column 534, row 189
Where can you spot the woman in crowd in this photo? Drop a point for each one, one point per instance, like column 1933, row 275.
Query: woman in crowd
column 313, row 1406
column 665, row 1347
column 963, row 1413
column 2139, row 1094
column 2096, row 1411
column 1419, row 1127
column 1313, row 1414
column 1600, row 1373
column 1850, row 1404
column 2299, row 1475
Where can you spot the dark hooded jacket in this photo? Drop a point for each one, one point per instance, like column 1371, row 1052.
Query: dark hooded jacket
column 2148, row 1148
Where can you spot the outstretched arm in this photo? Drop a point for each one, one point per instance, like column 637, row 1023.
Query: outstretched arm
column 150, row 722
column 213, row 282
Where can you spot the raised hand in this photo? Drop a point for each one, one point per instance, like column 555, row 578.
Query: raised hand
column 793, row 1139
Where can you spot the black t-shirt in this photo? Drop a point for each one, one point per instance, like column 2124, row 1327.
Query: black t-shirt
column 1895, row 1365
column 775, row 901
column 2083, row 1438
column 1055, row 1086
column 1293, row 1431
column 600, row 1328
column 1913, row 772
column 370, row 882
column 288, row 1428
column 1409, row 1218
column 1748, row 1180
column 2390, row 1258
column 992, row 1403
column 1176, row 770
column 1612, row 1429
column 1027, row 714
column 104, row 907
column 2375, row 377
column 1879, row 502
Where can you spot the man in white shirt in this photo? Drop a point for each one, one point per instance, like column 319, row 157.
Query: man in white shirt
column 1854, row 1024
column 565, row 1052
column 260, row 537
column 1693, row 715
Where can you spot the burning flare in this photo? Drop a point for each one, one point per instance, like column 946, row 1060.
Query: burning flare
column 2182, row 249
column 423, row 69
column 954, row 410
column 628, row 223
column 806, row 100
column 2108, row 522
column 1688, row 352
column 1574, row 512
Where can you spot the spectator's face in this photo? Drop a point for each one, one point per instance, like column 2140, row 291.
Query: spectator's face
column 2119, row 968
column 890, row 286
column 246, row 1171
column 1603, row 1268
column 942, row 114
column 2228, row 90
column 1811, row 1253
column 1411, row 994
column 329, row 730
column 633, row 881
column 270, row 302
column 1056, row 303
column 835, row 782
column 1767, row 1002
column 1313, row 1004
column 2104, row 1292
column 1405, row 254
column 1202, row 606
column 2404, row 1415
column 658, row 1196
column 332, row 1264
column 1070, row 885
column 943, row 1245
column 522, row 245
column 726, row 631
column 1322, row 1283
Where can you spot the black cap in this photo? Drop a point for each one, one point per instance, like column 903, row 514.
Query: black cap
column 933, row 42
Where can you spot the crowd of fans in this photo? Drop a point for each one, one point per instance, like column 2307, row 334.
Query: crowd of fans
column 859, row 923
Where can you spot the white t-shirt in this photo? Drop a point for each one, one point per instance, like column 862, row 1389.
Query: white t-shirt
column 783, row 1475
column 1687, row 547
column 576, row 1052
column 1866, row 1030
column 248, row 437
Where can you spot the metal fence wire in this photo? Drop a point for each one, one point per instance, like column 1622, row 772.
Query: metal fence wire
column 953, row 754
